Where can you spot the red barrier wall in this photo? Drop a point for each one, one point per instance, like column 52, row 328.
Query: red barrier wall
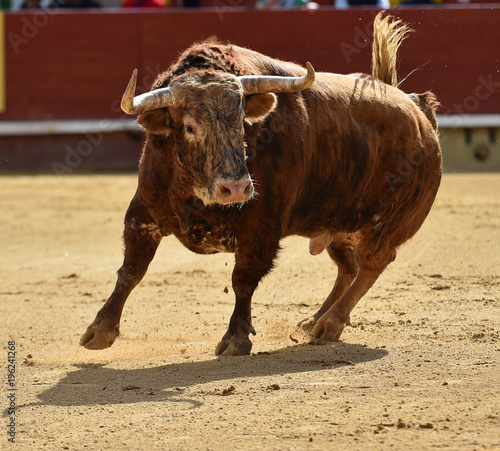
column 76, row 65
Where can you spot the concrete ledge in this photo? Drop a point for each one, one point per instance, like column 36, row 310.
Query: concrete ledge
column 72, row 127
column 468, row 120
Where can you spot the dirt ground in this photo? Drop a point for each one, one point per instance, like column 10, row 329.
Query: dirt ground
column 419, row 369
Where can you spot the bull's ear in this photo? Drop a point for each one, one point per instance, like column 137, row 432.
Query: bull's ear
column 258, row 106
column 155, row 121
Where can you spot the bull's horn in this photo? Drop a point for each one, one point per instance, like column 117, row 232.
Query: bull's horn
column 260, row 84
column 158, row 98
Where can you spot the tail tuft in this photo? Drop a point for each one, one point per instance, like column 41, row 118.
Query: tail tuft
column 388, row 34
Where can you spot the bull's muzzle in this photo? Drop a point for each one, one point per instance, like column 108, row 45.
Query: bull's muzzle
column 234, row 191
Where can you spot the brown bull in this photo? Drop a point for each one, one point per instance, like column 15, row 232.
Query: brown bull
column 243, row 150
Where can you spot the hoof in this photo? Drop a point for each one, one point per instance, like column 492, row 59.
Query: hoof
column 307, row 325
column 329, row 329
column 233, row 346
column 96, row 337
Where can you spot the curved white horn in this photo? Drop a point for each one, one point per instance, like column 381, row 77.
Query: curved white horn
column 158, row 98
column 260, row 84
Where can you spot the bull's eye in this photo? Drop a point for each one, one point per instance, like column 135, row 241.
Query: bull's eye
column 189, row 129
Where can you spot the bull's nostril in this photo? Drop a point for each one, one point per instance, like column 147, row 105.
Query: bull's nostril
column 234, row 192
column 225, row 191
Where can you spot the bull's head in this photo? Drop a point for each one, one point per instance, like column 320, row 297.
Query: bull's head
column 204, row 114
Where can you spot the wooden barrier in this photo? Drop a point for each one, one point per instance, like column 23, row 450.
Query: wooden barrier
column 75, row 65
column 2, row 64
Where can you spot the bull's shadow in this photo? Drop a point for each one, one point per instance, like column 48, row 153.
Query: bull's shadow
column 92, row 384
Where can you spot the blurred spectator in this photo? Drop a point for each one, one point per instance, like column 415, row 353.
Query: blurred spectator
column 285, row 4
column 145, row 4
column 80, row 4
column 19, row 5
column 343, row 4
column 415, row 2
column 191, row 3
column 37, row 4
column 31, row 4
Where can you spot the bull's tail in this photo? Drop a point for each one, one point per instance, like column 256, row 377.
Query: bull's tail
column 388, row 34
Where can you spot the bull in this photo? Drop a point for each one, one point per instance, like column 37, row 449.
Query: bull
column 349, row 161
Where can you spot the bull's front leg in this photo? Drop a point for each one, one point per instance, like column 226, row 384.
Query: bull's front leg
column 251, row 265
column 142, row 237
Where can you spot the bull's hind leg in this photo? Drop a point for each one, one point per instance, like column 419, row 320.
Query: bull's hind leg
column 343, row 253
column 331, row 324
column 142, row 238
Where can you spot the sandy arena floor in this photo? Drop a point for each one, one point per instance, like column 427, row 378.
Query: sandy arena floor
column 419, row 369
